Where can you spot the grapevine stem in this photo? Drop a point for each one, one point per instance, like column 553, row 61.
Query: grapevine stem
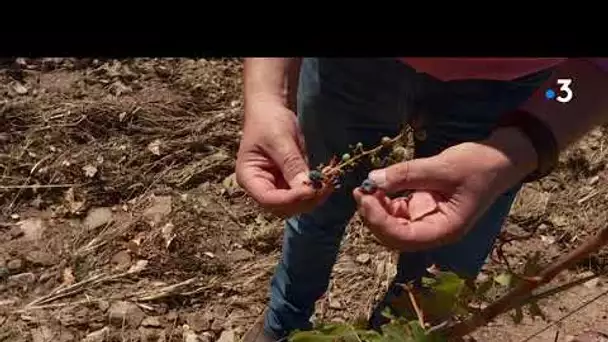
column 363, row 154
column 517, row 295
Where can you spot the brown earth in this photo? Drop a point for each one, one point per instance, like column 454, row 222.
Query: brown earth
column 120, row 218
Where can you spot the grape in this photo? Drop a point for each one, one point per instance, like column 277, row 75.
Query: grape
column 316, row 179
column 345, row 157
column 359, row 145
column 386, row 141
column 368, row 186
column 317, row 184
column 315, row 175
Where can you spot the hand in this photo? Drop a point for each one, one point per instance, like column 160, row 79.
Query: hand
column 270, row 165
column 450, row 191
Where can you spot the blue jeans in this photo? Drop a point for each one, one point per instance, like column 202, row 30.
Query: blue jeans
column 345, row 101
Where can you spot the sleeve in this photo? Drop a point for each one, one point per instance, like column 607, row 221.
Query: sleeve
column 601, row 63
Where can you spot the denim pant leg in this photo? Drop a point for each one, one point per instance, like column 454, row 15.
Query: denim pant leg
column 452, row 113
column 340, row 102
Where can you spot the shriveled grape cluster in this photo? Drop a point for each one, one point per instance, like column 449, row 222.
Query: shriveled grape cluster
column 329, row 175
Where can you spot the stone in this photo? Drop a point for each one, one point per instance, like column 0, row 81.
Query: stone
column 172, row 316
column 199, row 321
column 121, row 260
column 227, row 336
column 151, row 322
column 97, row 217
column 43, row 334
column 32, row 228
column 14, row 265
column 15, row 232
column 240, row 255
column 149, row 334
column 363, row 258
column 218, row 324
column 98, row 336
column 21, row 279
column 103, row 306
column 40, row 258
column 124, row 313
column 160, row 208
column 335, row 304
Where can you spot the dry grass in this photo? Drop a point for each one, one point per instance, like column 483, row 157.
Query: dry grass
column 152, row 141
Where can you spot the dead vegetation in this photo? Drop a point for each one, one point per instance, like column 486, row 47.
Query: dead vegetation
column 120, row 219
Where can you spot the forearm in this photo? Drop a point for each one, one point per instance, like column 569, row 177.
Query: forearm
column 587, row 108
column 567, row 121
column 272, row 79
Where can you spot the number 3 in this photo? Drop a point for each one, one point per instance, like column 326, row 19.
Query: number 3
column 565, row 87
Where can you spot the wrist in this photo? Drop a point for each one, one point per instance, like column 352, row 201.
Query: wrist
column 517, row 156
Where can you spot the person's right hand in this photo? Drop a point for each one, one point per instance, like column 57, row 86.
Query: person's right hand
column 271, row 165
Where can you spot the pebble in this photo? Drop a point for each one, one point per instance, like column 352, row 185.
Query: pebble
column 227, row 336
column 151, row 322
column 98, row 336
column 363, row 258
column 21, row 279
column 40, row 258
column 335, row 304
column 125, row 313
column 43, row 334
column 97, row 217
column 199, row 321
column 240, row 255
column 14, row 265
column 32, row 228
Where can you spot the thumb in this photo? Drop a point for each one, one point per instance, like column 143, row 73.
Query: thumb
column 416, row 174
column 290, row 160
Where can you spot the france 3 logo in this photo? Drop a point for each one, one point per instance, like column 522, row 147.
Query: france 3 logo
column 565, row 94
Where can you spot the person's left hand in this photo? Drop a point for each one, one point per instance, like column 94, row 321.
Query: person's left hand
column 449, row 191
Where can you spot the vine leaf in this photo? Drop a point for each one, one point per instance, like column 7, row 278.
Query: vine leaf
column 483, row 288
column 504, row 279
column 444, row 297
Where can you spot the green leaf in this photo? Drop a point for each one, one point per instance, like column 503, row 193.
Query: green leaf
column 386, row 312
column 428, row 281
column 484, row 287
column 397, row 331
column 504, row 279
column 444, row 295
column 310, row 336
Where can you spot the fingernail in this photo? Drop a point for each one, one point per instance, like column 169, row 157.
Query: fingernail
column 299, row 179
column 378, row 177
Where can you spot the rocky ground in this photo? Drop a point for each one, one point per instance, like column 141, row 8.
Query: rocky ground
column 120, row 219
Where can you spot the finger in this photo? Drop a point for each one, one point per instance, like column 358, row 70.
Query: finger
column 399, row 208
column 260, row 186
column 423, row 173
column 290, row 160
column 430, row 232
column 421, row 204
column 372, row 208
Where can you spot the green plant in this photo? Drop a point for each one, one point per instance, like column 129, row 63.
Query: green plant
column 394, row 150
column 446, row 307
